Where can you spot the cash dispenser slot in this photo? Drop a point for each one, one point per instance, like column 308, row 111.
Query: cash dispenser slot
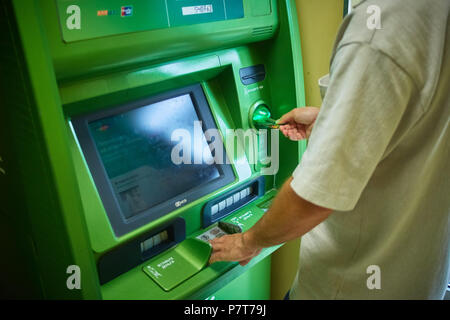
column 179, row 263
column 183, row 261
column 143, row 248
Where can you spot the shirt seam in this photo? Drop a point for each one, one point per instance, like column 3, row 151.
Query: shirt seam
column 315, row 188
column 355, row 252
column 385, row 54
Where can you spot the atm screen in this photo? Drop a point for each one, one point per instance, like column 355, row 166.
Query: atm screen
column 151, row 157
column 136, row 148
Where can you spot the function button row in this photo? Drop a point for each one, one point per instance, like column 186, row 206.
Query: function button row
column 230, row 200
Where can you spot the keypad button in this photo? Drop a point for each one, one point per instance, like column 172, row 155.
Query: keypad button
column 214, row 209
column 156, row 240
column 164, row 236
column 236, row 197
column 229, row 201
column 222, row 205
column 147, row 244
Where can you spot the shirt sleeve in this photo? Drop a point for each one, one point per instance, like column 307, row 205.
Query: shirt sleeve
column 367, row 97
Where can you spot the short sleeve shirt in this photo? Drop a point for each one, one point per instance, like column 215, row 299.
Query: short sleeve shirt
column 379, row 157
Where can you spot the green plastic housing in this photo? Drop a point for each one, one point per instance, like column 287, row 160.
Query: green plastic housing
column 52, row 215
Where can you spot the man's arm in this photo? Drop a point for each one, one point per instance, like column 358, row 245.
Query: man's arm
column 289, row 218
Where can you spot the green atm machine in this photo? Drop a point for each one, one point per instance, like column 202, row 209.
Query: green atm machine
column 132, row 133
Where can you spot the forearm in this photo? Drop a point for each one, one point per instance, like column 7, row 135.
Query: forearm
column 289, row 218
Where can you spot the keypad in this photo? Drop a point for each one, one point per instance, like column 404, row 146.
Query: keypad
column 236, row 197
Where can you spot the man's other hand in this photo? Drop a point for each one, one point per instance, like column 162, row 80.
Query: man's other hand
column 235, row 247
column 298, row 123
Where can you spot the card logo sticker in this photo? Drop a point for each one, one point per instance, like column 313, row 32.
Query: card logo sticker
column 126, row 11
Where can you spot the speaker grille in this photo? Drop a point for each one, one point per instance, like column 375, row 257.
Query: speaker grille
column 262, row 31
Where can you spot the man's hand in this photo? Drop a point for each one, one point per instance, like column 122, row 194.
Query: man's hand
column 235, row 247
column 299, row 123
column 289, row 217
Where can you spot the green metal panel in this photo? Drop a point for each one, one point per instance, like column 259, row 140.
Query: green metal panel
column 261, row 7
column 251, row 285
column 85, row 19
column 105, row 54
column 40, row 161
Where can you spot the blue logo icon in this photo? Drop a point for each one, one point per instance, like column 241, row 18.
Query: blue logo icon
column 126, row 11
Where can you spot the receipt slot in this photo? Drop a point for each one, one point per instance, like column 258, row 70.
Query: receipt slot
column 124, row 143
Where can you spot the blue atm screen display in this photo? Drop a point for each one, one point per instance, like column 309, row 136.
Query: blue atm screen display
column 136, row 150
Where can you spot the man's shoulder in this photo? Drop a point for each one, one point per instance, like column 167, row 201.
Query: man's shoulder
column 410, row 32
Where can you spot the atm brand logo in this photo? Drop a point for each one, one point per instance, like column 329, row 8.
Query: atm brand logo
column 126, row 11
column 180, row 203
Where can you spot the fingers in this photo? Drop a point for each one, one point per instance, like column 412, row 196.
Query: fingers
column 298, row 123
column 305, row 115
column 224, row 256
column 219, row 249
column 245, row 262
column 218, row 256
column 218, row 243
column 294, row 132
column 288, row 117
column 230, row 248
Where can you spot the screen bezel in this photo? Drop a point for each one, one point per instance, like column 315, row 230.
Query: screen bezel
column 120, row 225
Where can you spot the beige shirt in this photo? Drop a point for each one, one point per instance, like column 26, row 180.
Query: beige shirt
column 379, row 156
